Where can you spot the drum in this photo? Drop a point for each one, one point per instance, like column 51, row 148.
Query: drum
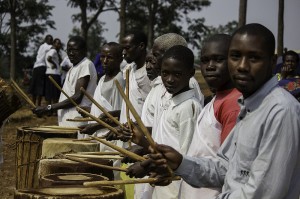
column 52, row 166
column 68, row 192
column 29, row 143
column 59, row 179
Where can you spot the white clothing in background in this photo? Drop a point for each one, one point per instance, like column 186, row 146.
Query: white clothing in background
column 54, row 55
column 82, row 69
column 40, row 58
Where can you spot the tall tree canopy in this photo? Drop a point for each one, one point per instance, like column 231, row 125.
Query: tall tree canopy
column 31, row 18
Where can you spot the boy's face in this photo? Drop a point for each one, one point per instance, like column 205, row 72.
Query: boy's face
column 75, row 53
column 153, row 61
column 291, row 62
column 130, row 49
column 57, row 44
column 249, row 62
column 214, row 65
column 175, row 76
column 110, row 59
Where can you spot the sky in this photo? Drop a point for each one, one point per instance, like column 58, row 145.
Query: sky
column 220, row 12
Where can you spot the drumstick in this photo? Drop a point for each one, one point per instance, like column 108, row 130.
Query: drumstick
column 100, row 107
column 22, row 94
column 132, row 181
column 99, row 121
column 127, row 109
column 96, row 156
column 136, row 116
column 100, row 153
column 61, row 127
column 61, row 90
column 95, row 164
column 86, row 139
column 138, row 120
column 84, row 119
column 121, row 150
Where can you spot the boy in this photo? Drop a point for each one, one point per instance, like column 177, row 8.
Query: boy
column 53, row 60
column 82, row 74
column 261, row 157
column 106, row 93
column 219, row 116
column 179, row 112
column 37, row 86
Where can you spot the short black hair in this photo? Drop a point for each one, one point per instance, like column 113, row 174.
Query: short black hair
column 80, row 41
column 139, row 37
column 222, row 38
column 255, row 29
column 117, row 46
column 182, row 54
column 292, row 53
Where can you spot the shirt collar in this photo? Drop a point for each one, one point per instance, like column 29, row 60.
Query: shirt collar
column 254, row 100
column 80, row 62
column 178, row 99
column 156, row 82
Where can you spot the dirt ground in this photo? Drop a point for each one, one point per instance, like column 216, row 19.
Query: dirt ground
column 21, row 118
column 24, row 117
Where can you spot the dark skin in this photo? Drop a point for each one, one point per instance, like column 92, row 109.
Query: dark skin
column 76, row 55
column 289, row 66
column 111, row 60
column 134, row 52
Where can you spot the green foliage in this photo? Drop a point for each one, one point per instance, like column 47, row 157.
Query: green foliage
column 32, row 22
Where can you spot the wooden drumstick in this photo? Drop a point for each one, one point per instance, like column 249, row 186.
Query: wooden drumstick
column 61, row 90
column 136, row 115
column 62, row 127
column 132, row 181
column 99, row 121
column 138, row 120
column 84, row 119
column 96, row 156
column 100, row 153
column 100, row 107
column 22, row 93
column 121, row 150
column 95, row 164
column 127, row 109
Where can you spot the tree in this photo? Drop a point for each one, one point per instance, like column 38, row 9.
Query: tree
column 242, row 13
column 162, row 16
column 28, row 20
column 280, row 28
column 95, row 8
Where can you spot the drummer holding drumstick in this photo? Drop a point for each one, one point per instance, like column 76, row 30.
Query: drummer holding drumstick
column 81, row 74
column 260, row 158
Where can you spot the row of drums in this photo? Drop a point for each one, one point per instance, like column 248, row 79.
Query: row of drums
column 42, row 173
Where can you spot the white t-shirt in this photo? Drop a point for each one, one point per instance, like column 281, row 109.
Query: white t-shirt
column 82, row 69
column 40, row 58
column 50, row 68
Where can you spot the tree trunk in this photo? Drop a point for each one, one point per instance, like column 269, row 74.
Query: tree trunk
column 13, row 39
column 122, row 20
column 280, row 33
column 84, row 23
column 152, row 9
column 242, row 12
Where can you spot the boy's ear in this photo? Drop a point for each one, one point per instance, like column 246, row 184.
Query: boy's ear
column 142, row 45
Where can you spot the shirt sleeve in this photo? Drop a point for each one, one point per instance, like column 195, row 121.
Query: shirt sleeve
column 272, row 170
column 202, row 171
column 228, row 122
column 87, row 70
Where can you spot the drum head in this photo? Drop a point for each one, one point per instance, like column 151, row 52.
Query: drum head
column 70, row 179
column 72, row 191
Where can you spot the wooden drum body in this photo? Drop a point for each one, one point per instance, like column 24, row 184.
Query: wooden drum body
column 60, row 179
column 68, row 192
column 29, row 143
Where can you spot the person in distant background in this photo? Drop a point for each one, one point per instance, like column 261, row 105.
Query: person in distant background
column 37, row 86
column 53, row 60
column 98, row 65
column 290, row 80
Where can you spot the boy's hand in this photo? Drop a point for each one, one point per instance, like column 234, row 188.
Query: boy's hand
column 122, row 135
column 86, row 108
column 165, row 156
column 40, row 110
column 137, row 170
column 135, row 149
column 89, row 129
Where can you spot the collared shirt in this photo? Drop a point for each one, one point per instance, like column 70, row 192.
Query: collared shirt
column 261, row 157
column 40, row 58
column 54, row 55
